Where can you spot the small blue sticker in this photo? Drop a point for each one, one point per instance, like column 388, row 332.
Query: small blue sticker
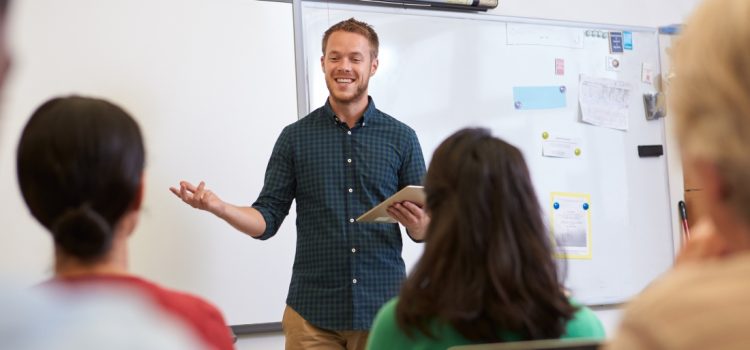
column 585, row 206
column 627, row 39
column 556, row 205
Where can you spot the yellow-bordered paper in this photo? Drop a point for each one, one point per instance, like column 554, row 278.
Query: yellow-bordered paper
column 570, row 216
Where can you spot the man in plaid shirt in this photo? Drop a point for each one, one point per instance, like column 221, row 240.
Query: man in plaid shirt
column 337, row 162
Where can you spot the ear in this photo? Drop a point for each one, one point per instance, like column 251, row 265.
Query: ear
column 374, row 66
column 138, row 200
column 322, row 63
column 711, row 182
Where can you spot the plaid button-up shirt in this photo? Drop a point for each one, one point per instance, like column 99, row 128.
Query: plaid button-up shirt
column 343, row 271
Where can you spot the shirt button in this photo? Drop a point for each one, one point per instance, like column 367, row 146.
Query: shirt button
column 354, row 250
column 351, row 190
column 354, row 281
column 351, row 220
column 349, row 132
column 349, row 160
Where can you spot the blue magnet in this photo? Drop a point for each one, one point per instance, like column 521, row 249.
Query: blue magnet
column 517, row 104
column 585, row 206
column 556, row 205
column 562, row 88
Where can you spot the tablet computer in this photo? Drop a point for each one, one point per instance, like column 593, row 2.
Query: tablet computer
column 414, row 194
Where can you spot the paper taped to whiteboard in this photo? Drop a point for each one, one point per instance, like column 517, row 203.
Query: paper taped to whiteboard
column 561, row 147
column 604, row 102
column 539, row 97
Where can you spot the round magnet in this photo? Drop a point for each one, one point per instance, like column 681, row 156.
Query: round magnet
column 562, row 89
column 556, row 205
column 545, row 135
column 517, row 104
column 577, row 151
column 585, row 206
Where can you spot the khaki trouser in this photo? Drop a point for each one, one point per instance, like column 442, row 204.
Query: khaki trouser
column 301, row 335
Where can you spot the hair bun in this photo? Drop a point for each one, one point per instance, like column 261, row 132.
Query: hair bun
column 82, row 232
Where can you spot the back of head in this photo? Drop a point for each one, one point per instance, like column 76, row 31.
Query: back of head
column 80, row 162
column 709, row 96
column 487, row 264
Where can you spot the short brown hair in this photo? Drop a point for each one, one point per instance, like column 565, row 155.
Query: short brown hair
column 709, row 97
column 352, row 25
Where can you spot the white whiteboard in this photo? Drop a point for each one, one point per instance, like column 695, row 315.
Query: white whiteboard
column 441, row 71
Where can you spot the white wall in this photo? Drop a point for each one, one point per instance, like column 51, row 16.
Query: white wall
column 206, row 80
column 191, row 72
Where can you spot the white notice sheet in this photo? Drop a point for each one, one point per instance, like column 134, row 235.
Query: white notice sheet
column 571, row 224
column 604, row 102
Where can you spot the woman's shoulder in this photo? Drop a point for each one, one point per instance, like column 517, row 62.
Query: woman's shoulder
column 584, row 324
column 385, row 320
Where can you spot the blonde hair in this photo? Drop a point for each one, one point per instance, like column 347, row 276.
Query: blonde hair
column 710, row 97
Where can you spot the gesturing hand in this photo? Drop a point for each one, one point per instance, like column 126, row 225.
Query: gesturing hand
column 199, row 197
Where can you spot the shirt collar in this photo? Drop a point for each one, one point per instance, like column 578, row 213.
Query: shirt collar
column 367, row 117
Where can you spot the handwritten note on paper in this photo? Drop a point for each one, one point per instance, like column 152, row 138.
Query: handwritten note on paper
column 604, row 102
column 571, row 224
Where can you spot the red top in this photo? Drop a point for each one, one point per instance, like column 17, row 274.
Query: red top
column 203, row 318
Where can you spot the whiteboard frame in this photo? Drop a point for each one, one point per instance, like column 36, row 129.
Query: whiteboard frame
column 674, row 181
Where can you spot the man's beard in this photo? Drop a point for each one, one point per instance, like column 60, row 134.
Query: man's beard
column 360, row 91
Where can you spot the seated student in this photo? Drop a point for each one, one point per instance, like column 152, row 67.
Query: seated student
column 95, row 318
column 80, row 169
column 487, row 273
column 704, row 302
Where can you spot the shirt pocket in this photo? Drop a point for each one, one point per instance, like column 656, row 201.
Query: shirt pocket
column 379, row 168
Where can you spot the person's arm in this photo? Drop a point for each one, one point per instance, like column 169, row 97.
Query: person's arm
column 412, row 170
column 245, row 219
column 263, row 218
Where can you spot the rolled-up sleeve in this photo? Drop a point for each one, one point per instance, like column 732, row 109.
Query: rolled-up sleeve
column 279, row 186
column 413, row 167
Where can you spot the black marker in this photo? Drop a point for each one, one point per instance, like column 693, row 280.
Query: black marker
column 683, row 215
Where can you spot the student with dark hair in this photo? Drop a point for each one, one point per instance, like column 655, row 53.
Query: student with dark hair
column 487, row 273
column 80, row 168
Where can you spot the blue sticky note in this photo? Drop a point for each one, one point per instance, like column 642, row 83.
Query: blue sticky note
column 627, row 39
column 539, row 97
column 615, row 42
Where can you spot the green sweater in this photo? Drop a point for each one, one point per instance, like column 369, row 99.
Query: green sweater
column 385, row 333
